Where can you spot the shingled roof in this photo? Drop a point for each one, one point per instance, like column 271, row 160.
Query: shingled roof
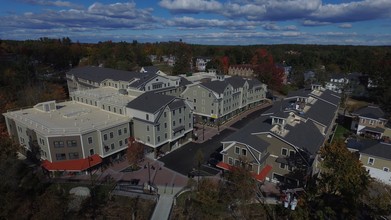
column 371, row 147
column 150, row 102
column 98, row 74
column 373, row 112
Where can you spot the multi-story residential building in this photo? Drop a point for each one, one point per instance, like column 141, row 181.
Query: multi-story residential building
column 69, row 131
column 217, row 100
column 244, row 70
column 369, row 121
column 161, row 122
column 83, row 78
column 375, row 157
column 285, row 138
column 105, row 108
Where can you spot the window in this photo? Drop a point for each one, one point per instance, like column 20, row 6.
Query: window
column 146, row 116
column 230, row 161
column 284, row 151
column 58, row 144
column 125, row 130
column 180, row 121
column 111, row 134
column 371, row 161
column 180, row 110
column 90, row 140
column 291, row 153
column 237, row 150
column 120, row 111
column 244, row 152
column 120, row 143
column 73, row 155
column 147, row 127
column 165, row 114
column 189, row 125
column 92, row 152
column 112, row 146
column 158, row 138
column 282, row 166
column 173, row 123
column 126, row 141
column 165, row 135
column 173, row 112
column 148, row 139
column 72, row 143
column 237, row 163
column 158, row 127
column 105, row 137
column 189, row 115
column 119, row 132
column 195, row 100
column 165, row 125
column 61, row 156
column 386, row 169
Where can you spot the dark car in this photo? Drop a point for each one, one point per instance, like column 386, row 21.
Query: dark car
column 213, row 162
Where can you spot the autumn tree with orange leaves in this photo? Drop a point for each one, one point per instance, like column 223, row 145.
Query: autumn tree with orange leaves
column 135, row 152
column 267, row 70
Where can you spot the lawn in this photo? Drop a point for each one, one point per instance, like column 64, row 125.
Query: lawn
column 340, row 132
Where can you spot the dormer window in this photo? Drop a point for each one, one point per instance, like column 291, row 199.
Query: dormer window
column 278, row 121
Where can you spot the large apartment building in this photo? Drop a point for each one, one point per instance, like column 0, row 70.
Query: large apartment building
column 285, row 138
column 107, row 107
column 217, row 100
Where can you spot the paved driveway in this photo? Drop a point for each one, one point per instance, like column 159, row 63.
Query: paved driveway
column 182, row 160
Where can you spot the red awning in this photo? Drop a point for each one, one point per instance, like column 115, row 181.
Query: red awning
column 72, row 165
column 224, row 166
column 262, row 175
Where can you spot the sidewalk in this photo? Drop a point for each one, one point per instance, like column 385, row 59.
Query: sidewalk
column 163, row 207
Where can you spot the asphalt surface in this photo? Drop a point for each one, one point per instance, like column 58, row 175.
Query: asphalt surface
column 183, row 160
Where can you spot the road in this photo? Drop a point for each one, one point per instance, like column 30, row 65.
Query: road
column 182, row 160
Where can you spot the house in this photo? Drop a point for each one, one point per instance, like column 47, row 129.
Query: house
column 285, row 138
column 369, row 121
column 244, row 70
column 375, row 156
column 200, row 63
column 337, row 83
column 217, row 100
column 161, row 122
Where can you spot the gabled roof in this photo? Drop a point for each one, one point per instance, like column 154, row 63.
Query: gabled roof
column 98, row 74
column 142, row 79
column 373, row 112
column 321, row 112
column 371, row 147
column 177, row 103
column 150, row 102
column 236, row 81
column 253, row 82
column 184, row 81
column 150, row 69
column 298, row 93
column 305, row 136
column 216, row 86
column 329, row 96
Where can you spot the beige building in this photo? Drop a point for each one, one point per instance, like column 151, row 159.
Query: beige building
column 285, row 139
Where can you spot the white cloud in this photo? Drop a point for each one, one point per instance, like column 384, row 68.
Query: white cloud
column 345, row 25
column 52, row 3
column 191, row 6
column 314, row 23
column 190, row 22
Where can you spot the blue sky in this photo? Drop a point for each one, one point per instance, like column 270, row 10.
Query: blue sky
column 218, row 22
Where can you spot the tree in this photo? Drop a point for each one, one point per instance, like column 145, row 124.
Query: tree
column 182, row 58
column 338, row 191
column 135, row 152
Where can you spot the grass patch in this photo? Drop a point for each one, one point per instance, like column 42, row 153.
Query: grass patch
column 340, row 133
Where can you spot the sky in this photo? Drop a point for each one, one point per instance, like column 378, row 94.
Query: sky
column 210, row 22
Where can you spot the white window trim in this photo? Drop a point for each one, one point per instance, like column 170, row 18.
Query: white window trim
column 237, row 152
column 369, row 158
column 287, row 151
